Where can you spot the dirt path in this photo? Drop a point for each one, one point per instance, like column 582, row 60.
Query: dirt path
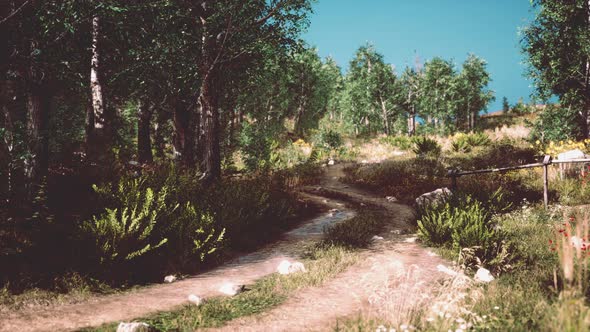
column 396, row 277
column 394, row 267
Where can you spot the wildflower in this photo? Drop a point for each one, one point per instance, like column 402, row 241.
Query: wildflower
column 496, row 308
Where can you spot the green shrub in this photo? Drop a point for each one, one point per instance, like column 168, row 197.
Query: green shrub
column 460, row 222
column 331, row 139
column 465, row 142
column 426, row 147
column 471, row 226
column 436, row 225
column 402, row 142
column 355, row 232
column 194, row 235
column 125, row 231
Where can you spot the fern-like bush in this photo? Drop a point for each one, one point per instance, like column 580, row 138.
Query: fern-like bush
column 460, row 222
column 436, row 224
column 426, row 147
column 125, row 232
column 465, row 142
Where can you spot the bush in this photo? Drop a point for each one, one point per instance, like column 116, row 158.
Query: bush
column 465, row 142
column 460, row 222
column 356, row 232
column 426, row 147
column 330, row 139
column 402, row 142
column 125, row 232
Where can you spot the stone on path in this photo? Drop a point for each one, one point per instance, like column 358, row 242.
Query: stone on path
column 377, row 238
column 196, row 300
column 483, row 275
column 231, row 289
column 331, row 162
column 286, row 267
column 134, row 327
column 170, row 279
column 571, row 154
column 391, row 199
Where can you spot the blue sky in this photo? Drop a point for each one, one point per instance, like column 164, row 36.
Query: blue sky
column 402, row 29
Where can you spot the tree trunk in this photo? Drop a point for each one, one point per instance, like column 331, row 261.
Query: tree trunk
column 473, row 120
column 6, row 93
column 211, row 158
column 384, row 115
column 209, row 144
column 37, row 161
column 159, row 140
column 99, row 135
column 412, row 122
column 144, row 143
column 184, row 136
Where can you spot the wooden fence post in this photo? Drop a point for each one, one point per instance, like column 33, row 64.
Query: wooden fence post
column 546, row 163
column 452, row 173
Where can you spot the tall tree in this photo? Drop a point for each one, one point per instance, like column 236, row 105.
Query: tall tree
column 230, row 30
column 474, row 95
column 438, row 90
column 557, row 45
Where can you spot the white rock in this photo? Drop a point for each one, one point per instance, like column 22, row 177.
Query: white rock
column 391, row 199
column 483, row 275
column 170, row 279
column 286, row 267
column 231, row 289
column 297, row 267
column 331, row 162
column 397, row 232
column 571, row 154
column 446, row 270
column 377, row 238
column 434, row 197
column 364, row 162
column 196, row 300
column 577, row 242
column 133, row 327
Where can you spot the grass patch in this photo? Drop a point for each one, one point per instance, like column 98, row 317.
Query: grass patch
column 356, row 232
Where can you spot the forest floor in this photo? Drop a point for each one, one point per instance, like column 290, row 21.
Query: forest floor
column 395, row 278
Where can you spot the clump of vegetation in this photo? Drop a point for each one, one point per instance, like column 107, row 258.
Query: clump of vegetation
column 356, row 232
column 426, row 147
column 466, row 142
column 459, row 222
column 401, row 142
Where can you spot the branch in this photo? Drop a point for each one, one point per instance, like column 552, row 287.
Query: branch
column 15, row 12
column 271, row 13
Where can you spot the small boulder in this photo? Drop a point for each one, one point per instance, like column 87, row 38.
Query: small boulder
column 286, row 267
column 391, row 199
column 134, row 327
column 331, row 162
column 483, row 275
column 297, row 267
column 231, row 289
column 170, row 279
column 434, row 197
column 571, row 154
column 196, row 300
column 377, row 238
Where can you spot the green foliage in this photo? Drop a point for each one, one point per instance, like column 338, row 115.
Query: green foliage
column 436, row 225
column 426, row 147
column 125, row 232
column 556, row 44
column 330, row 139
column 555, row 123
column 355, row 232
column 465, row 142
column 460, row 222
column 257, row 145
column 401, row 142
